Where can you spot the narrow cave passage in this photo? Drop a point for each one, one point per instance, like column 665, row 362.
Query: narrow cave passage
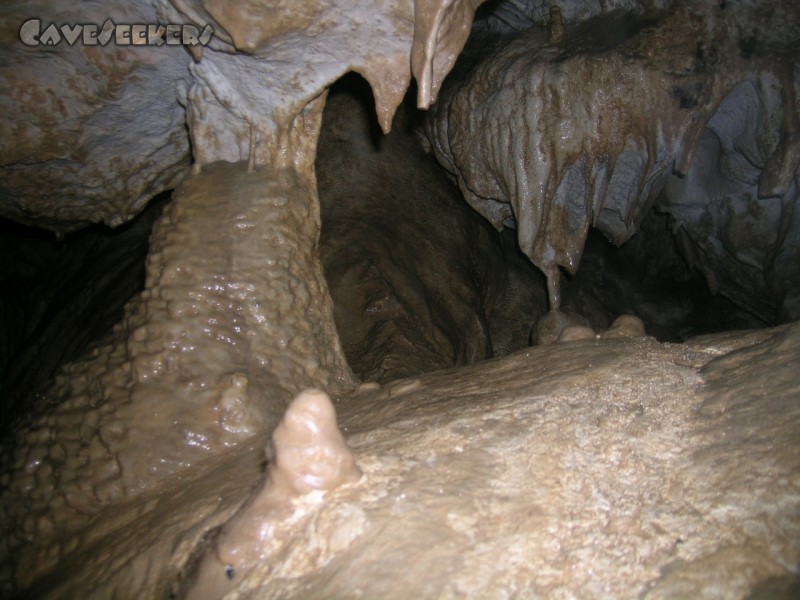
column 421, row 282
column 412, row 270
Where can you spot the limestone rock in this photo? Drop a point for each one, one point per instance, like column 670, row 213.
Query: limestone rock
column 552, row 137
column 615, row 467
column 625, row 468
column 94, row 132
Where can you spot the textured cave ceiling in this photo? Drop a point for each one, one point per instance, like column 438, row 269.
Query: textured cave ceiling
column 669, row 128
column 688, row 108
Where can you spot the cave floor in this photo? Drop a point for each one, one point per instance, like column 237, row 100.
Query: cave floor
column 609, row 468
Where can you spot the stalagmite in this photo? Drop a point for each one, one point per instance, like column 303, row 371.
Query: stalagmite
column 308, row 455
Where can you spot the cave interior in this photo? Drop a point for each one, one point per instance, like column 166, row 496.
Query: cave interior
column 600, row 196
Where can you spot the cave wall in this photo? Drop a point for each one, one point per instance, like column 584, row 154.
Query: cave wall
column 239, row 94
column 58, row 297
column 106, row 129
column 94, row 132
column 740, row 237
column 234, row 334
column 106, row 125
column 585, row 124
column 236, row 317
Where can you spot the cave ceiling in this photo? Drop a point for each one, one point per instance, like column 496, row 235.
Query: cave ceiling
column 552, row 118
column 561, row 116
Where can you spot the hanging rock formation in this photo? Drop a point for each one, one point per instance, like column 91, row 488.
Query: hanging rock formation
column 613, row 466
column 556, row 135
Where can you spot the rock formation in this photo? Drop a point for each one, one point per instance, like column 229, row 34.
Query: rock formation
column 557, row 135
column 604, row 465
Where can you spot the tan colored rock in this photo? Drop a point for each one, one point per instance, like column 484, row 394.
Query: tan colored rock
column 624, row 326
column 550, row 327
column 560, row 134
column 238, row 96
column 607, row 468
column 95, row 131
column 235, row 319
column 309, row 456
column 572, row 333
column 624, row 468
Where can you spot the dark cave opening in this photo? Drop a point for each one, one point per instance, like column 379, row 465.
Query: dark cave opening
column 647, row 277
column 59, row 296
column 421, row 282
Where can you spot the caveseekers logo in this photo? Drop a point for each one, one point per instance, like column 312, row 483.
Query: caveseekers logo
column 31, row 34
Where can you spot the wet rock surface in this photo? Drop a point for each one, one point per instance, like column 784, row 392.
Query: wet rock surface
column 309, row 458
column 553, row 135
column 611, row 465
column 622, row 467
column 419, row 281
column 228, row 328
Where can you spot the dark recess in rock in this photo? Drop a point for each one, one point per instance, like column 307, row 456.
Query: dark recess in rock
column 57, row 297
